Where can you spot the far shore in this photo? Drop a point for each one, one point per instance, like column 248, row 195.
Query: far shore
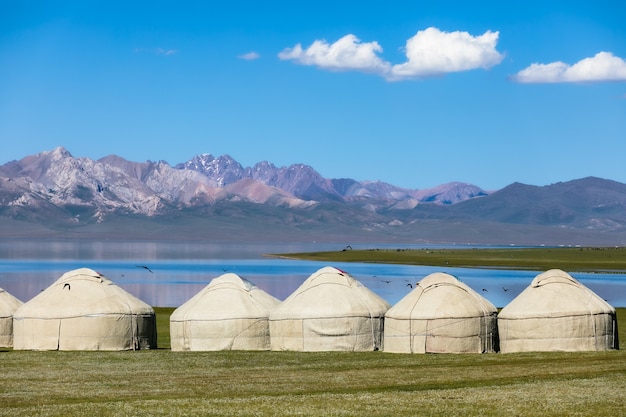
column 576, row 259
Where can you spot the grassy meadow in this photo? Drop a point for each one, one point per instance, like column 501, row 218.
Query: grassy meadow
column 579, row 259
column 244, row 383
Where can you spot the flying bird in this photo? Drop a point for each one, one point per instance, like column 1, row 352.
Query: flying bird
column 505, row 289
column 144, row 267
column 409, row 285
column 67, row 284
column 485, row 290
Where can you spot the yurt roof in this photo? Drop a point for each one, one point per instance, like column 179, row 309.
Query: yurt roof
column 441, row 295
column 227, row 297
column 555, row 293
column 331, row 292
column 8, row 304
column 82, row 292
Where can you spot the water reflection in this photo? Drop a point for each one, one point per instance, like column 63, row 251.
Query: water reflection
column 180, row 270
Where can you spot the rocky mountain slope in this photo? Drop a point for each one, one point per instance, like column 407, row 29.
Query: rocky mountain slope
column 56, row 194
column 115, row 185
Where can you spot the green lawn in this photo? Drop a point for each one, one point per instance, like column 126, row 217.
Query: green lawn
column 234, row 383
column 568, row 259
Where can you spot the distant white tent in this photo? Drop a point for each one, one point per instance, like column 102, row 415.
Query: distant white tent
column 557, row 313
column 230, row 313
column 330, row 311
column 84, row 310
column 8, row 305
column 441, row 315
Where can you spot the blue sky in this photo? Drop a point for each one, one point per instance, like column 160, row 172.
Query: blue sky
column 412, row 93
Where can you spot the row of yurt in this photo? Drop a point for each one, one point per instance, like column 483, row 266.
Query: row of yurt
column 329, row 311
column 84, row 310
column 554, row 313
column 333, row 311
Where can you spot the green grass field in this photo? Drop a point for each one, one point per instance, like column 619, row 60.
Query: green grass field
column 567, row 259
column 244, row 383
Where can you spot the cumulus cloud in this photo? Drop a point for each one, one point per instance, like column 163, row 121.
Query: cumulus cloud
column 250, row 56
column 430, row 52
column 348, row 53
column 604, row 66
column 433, row 52
column 156, row 51
column 166, row 52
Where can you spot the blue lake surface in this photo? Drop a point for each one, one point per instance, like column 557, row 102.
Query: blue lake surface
column 177, row 271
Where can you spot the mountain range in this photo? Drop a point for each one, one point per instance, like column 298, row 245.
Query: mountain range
column 55, row 195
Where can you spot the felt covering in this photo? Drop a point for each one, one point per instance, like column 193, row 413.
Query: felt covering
column 330, row 311
column 8, row 305
column 84, row 310
column 557, row 313
column 441, row 315
column 230, row 313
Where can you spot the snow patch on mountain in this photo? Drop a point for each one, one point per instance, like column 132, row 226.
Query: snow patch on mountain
column 115, row 185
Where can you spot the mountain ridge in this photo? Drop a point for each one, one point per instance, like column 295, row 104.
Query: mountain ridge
column 52, row 193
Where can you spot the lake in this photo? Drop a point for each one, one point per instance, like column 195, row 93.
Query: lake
column 178, row 270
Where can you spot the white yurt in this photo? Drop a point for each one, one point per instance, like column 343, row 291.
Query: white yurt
column 230, row 313
column 84, row 310
column 557, row 313
column 441, row 315
column 330, row 311
column 8, row 305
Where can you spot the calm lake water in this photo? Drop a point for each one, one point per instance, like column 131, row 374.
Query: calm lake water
column 177, row 271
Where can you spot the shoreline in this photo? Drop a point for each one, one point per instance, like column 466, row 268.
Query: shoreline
column 608, row 260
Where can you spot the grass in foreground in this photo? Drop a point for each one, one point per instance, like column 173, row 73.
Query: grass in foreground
column 234, row 383
column 567, row 259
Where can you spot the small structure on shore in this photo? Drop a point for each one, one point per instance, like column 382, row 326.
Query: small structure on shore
column 83, row 310
column 441, row 315
column 8, row 305
column 557, row 313
column 330, row 311
column 230, row 313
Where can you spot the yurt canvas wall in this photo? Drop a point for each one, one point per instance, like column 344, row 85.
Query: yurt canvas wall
column 330, row 311
column 441, row 315
column 8, row 305
column 84, row 310
column 230, row 313
column 557, row 313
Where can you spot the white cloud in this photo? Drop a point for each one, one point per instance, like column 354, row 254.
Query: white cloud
column 348, row 53
column 430, row 52
column 250, row 56
column 604, row 66
column 156, row 51
column 433, row 52
column 166, row 52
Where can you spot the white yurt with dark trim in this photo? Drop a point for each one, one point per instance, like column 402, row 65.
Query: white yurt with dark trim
column 230, row 313
column 557, row 313
column 83, row 310
column 8, row 305
column 441, row 315
column 330, row 311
